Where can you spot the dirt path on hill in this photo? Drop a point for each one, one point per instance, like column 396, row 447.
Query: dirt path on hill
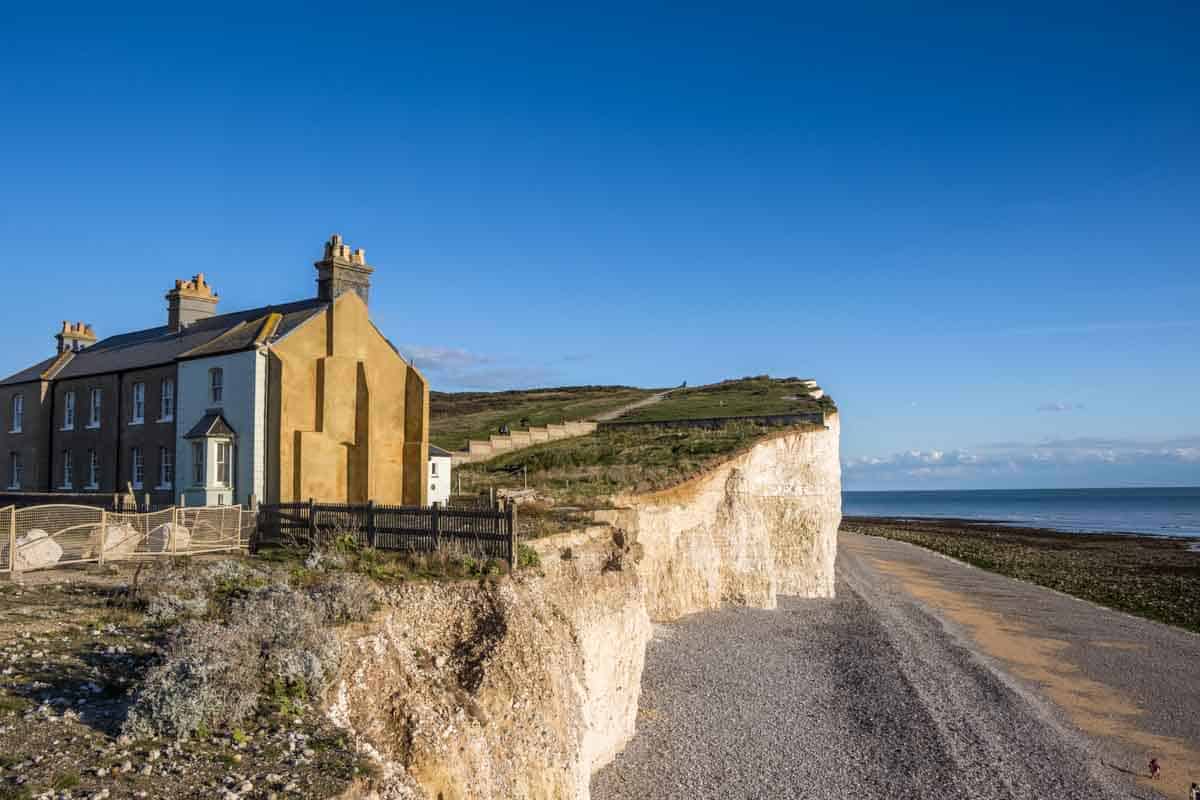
column 646, row 401
column 924, row 678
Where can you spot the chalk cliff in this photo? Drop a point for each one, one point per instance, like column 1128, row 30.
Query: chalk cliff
column 522, row 688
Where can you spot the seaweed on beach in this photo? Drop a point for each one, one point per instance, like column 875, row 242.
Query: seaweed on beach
column 1151, row 576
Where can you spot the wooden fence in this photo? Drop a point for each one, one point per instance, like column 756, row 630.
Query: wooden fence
column 485, row 533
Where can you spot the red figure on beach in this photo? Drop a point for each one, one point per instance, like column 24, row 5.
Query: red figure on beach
column 1154, row 768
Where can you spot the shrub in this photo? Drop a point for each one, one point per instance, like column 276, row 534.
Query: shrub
column 528, row 557
column 209, row 677
column 274, row 643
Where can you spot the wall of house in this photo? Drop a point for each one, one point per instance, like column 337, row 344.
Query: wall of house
column 151, row 435
column 84, row 437
column 33, row 438
column 348, row 418
column 241, row 404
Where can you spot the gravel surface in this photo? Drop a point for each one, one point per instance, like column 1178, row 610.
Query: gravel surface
column 864, row 696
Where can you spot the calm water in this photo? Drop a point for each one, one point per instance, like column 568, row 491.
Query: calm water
column 1164, row 512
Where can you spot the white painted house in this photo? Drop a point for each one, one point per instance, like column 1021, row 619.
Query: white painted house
column 439, row 475
column 221, row 419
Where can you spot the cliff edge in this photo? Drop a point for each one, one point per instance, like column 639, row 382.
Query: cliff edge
column 524, row 687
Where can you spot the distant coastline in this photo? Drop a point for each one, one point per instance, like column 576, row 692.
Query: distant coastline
column 1153, row 511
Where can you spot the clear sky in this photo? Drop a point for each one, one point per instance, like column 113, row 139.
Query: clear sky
column 979, row 230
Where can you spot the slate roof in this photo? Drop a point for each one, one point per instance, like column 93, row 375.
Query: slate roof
column 437, row 452
column 224, row 333
column 30, row 373
column 211, row 424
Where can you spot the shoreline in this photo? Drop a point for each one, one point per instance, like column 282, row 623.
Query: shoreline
column 1150, row 576
column 1017, row 527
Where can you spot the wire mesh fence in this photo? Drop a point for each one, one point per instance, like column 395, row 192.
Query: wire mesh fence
column 41, row 537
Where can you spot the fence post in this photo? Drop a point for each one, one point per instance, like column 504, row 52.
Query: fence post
column 312, row 525
column 177, row 518
column 12, row 540
column 435, row 524
column 371, row 523
column 512, row 536
column 103, row 533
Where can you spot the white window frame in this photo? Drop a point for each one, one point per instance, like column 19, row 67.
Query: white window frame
column 199, row 461
column 18, row 413
column 216, row 384
column 95, row 407
column 93, row 470
column 222, row 459
column 137, row 467
column 68, row 471
column 166, row 400
column 16, row 470
column 137, row 408
column 68, row 411
column 166, row 468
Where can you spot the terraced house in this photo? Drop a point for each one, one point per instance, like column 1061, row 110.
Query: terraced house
column 279, row 403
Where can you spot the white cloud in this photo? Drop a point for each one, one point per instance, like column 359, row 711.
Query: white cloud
column 1054, row 407
column 1086, row 459
column 450, row 368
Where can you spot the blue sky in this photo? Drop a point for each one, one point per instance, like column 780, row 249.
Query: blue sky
column 976, row 228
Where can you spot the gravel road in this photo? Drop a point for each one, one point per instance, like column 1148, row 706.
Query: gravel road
column 864, row 696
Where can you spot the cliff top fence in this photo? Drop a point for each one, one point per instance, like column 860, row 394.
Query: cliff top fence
column 57, row 535
column 481, row 533
column 766, row 420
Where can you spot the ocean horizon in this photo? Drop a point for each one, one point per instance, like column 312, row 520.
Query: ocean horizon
column 1157, row 511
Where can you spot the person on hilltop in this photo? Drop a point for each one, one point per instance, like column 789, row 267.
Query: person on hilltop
column 1155, row 769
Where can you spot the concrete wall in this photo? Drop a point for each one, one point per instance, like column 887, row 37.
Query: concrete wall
column 482, row 450
column 242, row 406
column 348, row 418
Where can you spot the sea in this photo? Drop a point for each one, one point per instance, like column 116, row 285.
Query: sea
column 1154, row 511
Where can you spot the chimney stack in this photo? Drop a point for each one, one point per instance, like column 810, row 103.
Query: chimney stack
column 343, row 270
column 74, row 336
column 189, row 302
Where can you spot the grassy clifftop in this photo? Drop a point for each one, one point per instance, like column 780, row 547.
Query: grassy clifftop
column 751, row 396
column 455, row 417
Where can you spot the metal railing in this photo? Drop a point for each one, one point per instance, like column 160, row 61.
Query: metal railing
column 56, row 535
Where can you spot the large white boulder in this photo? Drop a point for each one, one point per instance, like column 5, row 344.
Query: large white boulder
column 167, row 538
column 36, row 550
column 120, row 541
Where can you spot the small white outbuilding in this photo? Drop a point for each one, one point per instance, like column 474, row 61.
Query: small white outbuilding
column 439, row 475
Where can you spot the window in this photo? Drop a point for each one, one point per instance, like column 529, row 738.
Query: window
column 223, row 463
column 15, row 470
column 166, row 468
column 18, row 413
column 137, row 467
column 69, row 411
column 216, row 382
column 68, row 479
column 139, row 403
column 93, row 470
column 433, row 468
column 198, row 463
column 166, row 400
column 95, row 401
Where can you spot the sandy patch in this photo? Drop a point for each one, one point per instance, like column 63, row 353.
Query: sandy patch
column 1092, row 706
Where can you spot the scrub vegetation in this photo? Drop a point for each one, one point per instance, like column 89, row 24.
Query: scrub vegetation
column 455, row 417
column 586, row 471
column 742, row 397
